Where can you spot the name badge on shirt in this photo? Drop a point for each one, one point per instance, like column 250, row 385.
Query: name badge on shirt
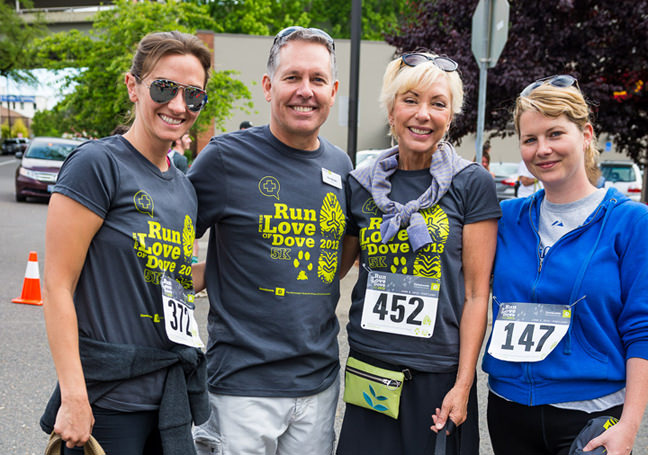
column 528, row 332
column 401, row 304
column 331, row 178
column 179, row 322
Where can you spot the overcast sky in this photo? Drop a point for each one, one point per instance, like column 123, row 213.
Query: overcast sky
column 49, row 86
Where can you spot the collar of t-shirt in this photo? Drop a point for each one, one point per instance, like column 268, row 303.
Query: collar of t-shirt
column 557, row 220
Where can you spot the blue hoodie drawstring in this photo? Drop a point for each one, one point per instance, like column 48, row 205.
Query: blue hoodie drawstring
column 581, row 274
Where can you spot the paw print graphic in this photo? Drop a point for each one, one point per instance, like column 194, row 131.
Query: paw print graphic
column 303, row 264
column 399, row 265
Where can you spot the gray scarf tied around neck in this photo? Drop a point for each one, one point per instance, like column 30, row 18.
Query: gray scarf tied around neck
column 375, row 179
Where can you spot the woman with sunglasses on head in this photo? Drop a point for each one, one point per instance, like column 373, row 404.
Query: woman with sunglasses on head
column 570, row 291
column 118, row 287
column 424, row 221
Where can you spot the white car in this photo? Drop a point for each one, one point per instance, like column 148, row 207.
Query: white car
column 624, row 176
column 366, row 157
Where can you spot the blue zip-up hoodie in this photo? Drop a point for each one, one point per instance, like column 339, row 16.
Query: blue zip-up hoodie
column 603, row 266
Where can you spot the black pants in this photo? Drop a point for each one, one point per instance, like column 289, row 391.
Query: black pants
column 536, row 430
column 124, row 433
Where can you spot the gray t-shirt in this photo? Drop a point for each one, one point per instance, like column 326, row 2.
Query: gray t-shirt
column 148, row 227
column 471, row 198
column 557, row 220
column 272, row 262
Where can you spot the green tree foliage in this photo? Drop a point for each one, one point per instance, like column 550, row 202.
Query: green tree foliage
column 19, row 129
column 99, row 100
column 268, row 17
column 47, row 123
column 604, row 43
column 15, row 35
column 5, row 131
column 255, row 17
column 379, row 17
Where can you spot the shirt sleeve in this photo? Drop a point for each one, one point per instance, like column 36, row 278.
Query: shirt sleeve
column 633, row 270
column 208, row 176
column 479, row 195
column 523, row 171
column 351, row 189
column 90, row 177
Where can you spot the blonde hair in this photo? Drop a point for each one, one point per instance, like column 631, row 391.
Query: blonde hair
column 400, row 78
column 553, row 102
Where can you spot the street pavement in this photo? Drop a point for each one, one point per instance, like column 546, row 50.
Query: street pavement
column 27, row 375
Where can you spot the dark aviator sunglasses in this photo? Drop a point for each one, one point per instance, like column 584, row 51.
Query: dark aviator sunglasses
column 560, row 81
column 163, row 90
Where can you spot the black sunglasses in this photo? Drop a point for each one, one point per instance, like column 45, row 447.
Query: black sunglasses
column 163, row 90
column 290, row 30
column 560, row 81
column 416, row 58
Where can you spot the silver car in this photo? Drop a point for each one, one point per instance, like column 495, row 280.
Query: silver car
column 505, row 179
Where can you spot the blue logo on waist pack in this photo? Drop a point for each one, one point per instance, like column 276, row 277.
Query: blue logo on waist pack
column 377, row 407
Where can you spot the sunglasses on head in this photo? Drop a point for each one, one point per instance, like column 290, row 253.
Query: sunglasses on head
column 442, row 62
column 290, row 30
column 163, row 90
column 560, row 81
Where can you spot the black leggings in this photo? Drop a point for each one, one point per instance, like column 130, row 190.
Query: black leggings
column 536, row 430
column 124, row 433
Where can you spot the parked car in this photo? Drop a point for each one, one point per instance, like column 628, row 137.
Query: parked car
column 624, row 176
column 505, row 179
column 13, row 145
column 40, row 165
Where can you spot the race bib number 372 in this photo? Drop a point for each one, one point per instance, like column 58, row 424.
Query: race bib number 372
column 401, row 304
column 528, row 332
column 179, row 322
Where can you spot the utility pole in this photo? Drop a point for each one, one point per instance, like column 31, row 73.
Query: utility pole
column 356, row 34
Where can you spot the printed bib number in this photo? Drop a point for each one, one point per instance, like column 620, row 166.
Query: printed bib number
column 401, row 304
column 179, row 322
column 528, row 332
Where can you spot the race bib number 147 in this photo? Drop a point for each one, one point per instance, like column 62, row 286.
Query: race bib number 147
column 528, row 332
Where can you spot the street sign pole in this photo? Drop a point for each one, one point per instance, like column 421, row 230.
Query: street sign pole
column 481, row 112
column 489, row 34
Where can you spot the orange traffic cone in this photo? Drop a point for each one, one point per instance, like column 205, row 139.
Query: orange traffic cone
column 31, row 291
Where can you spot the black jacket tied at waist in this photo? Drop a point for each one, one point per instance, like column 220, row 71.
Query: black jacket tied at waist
column 184, row 397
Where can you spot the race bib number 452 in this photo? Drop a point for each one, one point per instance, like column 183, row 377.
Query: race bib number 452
column 528, row 332
column 401, row 304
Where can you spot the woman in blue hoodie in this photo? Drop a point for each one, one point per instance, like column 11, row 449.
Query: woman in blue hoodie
column 570, row 290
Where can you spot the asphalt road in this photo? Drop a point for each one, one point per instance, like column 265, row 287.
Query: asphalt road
column 27, row 375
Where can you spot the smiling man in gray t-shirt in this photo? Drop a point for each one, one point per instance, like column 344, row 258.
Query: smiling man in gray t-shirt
column 275, row 195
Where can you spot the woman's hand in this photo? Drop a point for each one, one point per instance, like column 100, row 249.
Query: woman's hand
column 618, row 439
column 454, row 407
column 74, row 421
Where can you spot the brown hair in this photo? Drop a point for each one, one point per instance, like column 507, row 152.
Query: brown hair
column 156, row 45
